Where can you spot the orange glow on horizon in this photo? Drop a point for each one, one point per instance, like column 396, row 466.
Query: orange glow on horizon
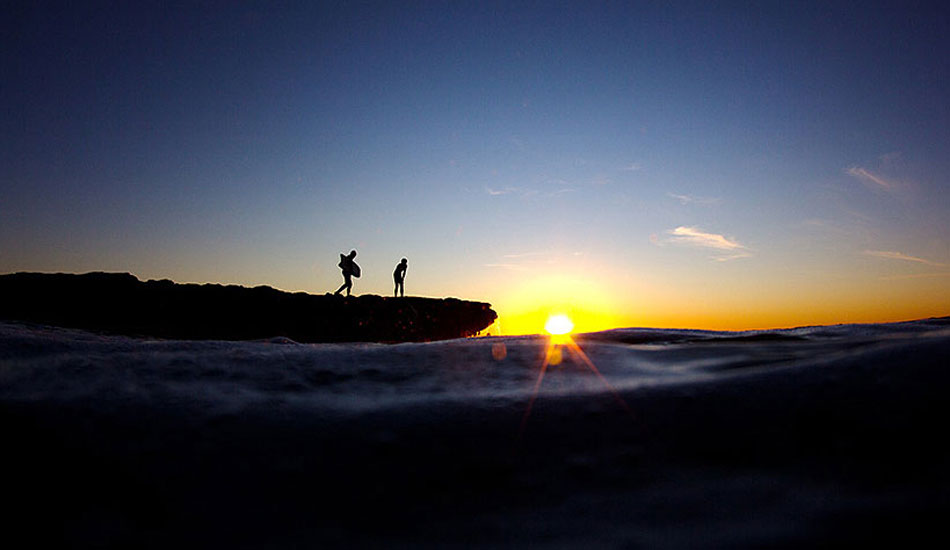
column 597, row 298
column 582, row 301
column 535, row 321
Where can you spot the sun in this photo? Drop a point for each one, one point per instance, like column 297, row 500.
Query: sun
column 559, row 324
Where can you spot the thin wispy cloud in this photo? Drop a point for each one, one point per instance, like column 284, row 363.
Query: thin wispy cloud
column 733, row 256
column 891, row 158
column 916, row 276
column 525, row 255
column 692, row 199
column 633, row 167
column 696, row 237
column 550, row 190
column 728, row 249
column 894, row 255
column 870, row 178
column 511, row 267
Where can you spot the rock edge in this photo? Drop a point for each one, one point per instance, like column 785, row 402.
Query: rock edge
column 120, row 303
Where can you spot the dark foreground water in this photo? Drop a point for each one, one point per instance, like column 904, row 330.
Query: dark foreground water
column 691, row 439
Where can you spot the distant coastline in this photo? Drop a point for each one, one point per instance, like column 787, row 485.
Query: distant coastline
column 120, row 303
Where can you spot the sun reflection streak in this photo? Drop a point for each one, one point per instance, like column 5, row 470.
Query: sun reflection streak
column 537, row 385
column 552, row 355
column 578, row 352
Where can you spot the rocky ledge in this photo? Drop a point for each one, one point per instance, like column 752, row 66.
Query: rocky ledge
column 120, row 303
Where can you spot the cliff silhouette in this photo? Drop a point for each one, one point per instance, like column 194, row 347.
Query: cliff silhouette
column 120, row 303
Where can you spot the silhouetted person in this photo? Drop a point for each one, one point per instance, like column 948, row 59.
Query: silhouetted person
column 399, row 276
column 350, row 269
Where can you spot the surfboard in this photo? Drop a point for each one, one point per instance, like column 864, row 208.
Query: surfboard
column 354, row 270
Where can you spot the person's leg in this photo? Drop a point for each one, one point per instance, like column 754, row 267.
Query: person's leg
column 345, row 286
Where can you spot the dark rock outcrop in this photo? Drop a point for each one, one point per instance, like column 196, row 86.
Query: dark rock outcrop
column 120, row 303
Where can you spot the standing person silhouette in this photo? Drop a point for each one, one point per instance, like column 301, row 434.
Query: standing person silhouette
column 399, row 275
column 350, row 269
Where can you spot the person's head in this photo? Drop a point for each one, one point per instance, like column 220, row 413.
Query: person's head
column 404, row 261
column 352, row 253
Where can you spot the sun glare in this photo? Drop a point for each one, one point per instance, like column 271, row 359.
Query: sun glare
column 559, row 324
column 526, row 306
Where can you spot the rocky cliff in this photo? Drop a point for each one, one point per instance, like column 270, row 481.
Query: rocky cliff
column 120, row 303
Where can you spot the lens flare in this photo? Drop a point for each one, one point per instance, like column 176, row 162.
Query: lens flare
column 559, row 327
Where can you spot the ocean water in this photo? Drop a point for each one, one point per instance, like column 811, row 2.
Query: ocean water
column 813, row 436
column 47, row 363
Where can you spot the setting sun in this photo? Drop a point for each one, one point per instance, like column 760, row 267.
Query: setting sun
column 559, row 324
column 528, row 304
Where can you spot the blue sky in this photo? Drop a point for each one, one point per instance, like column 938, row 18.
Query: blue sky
column 728, row 165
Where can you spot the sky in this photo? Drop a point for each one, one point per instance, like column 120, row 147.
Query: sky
column 656, row 164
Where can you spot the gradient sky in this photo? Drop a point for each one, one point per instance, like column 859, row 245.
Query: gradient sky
column 632, row 164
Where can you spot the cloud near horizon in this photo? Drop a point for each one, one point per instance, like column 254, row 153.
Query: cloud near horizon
column 693, row 236
column 894, row 255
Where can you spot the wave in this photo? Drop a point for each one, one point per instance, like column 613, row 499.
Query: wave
column 41, row 362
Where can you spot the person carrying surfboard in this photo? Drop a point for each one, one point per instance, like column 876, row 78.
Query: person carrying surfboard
column 350, row 269
column 399, row 275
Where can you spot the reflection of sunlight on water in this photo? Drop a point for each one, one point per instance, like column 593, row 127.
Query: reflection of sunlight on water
column 559, row 328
